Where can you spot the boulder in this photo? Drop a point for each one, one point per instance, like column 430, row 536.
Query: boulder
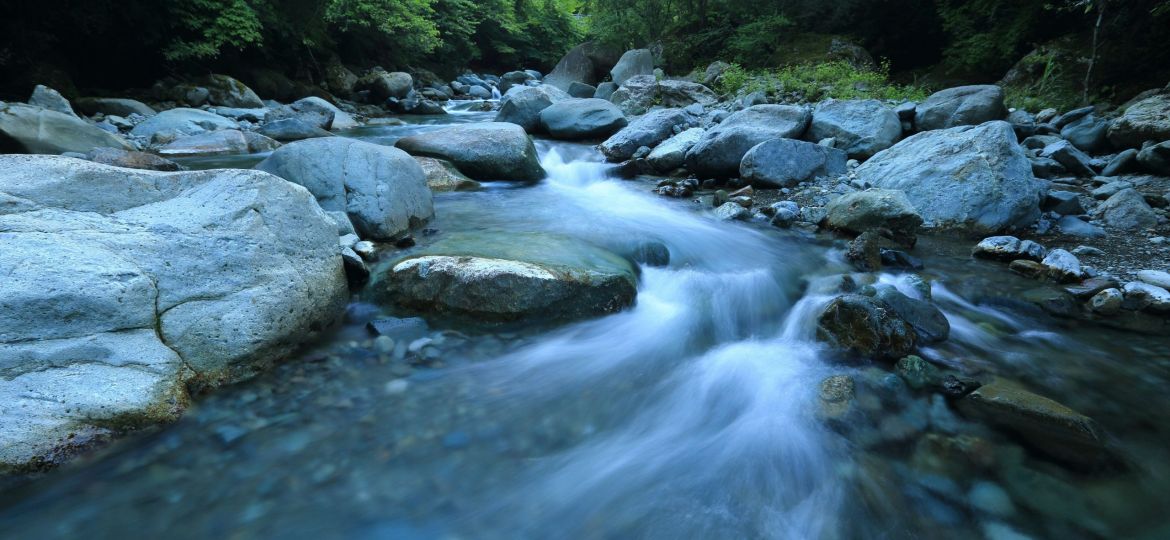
column 443, row 176
column 414, row 105
column 1087, row 134
column 1068, row 156
column 35, row 130
column 929, row 323
column 316, row 117
column 719, row 153
column 488, row 279
column 873, row 209
column 1126, row 210
column 213, row 143
column 971, row 177
column 860, row 128
column 672, row 153
column 582, row 90
column 732, row 211
column 123, row 287
column 1047, row 425
column 522, row 105
column 131, row 159
column 1009, row 248
column 582, row 119
column 605, row 90
column 587, row 63
column 1065, row 203
column 479, row 92
column 228, row 92
column 487, row 151
column 1062, row 266
column 273, row 84
column 644, row 92
column 47, row 98
column 338, row 79
column 1146, row 120
column 862, row 326
column 181, row 121
column 633, row 63
column 779, row 163
column 292, row 129
column 960, row 106
column 187, row 95
column 1023, row 123
column 382, row 189
column 252, row 115
column 117, row 106
column 714, row 72
column 515, row 78
column 383, row 85
column 1146, row 296
column 1157, row 278
column 341, row 119
column 1155, row 158
column 648, row 130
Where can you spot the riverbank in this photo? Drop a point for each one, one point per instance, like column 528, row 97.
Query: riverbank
column 484, row 301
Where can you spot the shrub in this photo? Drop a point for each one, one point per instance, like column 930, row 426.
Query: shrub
column 819, row 81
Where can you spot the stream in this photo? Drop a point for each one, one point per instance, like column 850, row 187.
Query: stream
column 693, row 414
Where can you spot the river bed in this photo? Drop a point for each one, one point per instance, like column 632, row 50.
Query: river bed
column 694, row 414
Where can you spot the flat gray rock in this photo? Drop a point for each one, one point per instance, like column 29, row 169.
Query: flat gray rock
column 960, row 106
column 382, row 189
column 971, row 177
column 35, row 130
column 487, row 151
column 719, row 153
column 123, row 287
column 860, row 128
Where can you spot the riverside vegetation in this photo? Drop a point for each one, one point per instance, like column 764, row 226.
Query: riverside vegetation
column 521, row 269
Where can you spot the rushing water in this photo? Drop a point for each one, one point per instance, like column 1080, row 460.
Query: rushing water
column 693, row 414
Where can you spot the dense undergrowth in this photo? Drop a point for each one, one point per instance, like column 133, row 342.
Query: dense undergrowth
column 819, row 81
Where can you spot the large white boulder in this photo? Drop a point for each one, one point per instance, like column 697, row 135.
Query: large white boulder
column 122, row 287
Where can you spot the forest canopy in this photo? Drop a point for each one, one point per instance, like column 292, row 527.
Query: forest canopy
column 115, row 43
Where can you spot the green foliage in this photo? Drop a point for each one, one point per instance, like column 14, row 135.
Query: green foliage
column 816, row 82
column 406, row 25
column 396, row 32
column 990, row 32
column 205, row 27
column 1044, row 78
column 753, row 43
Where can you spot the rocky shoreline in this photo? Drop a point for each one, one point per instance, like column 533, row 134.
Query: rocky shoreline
column 221, row 273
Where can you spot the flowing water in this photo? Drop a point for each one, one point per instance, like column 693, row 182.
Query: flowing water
column 693, row 414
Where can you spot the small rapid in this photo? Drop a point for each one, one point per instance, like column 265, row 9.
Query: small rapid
column 696, row 413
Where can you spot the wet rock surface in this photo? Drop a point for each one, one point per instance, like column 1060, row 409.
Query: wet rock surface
column 109, row 336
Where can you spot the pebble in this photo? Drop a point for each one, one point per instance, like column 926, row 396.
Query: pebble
column 397, row 386
column 1000, row 531
column 991, row 499
column 348, row 241
column 384, row 344
column 1062, row 266
column 1087, row 251
column 1148, row 296
column 417, row 345
column 732, row 211
column 365, row 249
column 1157, row 278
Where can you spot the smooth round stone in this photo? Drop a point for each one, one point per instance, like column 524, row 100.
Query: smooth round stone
column 397, row 386
column 988, row 497
column 384, row 344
